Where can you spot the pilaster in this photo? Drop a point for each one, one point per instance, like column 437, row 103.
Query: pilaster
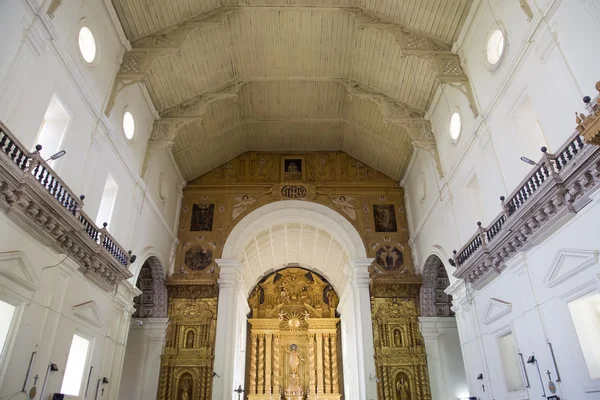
column 231, row 304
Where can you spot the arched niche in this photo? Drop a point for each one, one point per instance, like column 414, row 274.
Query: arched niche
column 152, row 303
column 434, row 301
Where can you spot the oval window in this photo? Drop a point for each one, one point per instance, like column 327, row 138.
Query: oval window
column 455, row 126
column 128, row 125
column 495, row 47
column 87, row 45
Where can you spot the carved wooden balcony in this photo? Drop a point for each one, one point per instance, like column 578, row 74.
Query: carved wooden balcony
column 35, row 197
column 554, row 192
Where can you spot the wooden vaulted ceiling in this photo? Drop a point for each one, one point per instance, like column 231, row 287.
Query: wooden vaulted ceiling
column 292, row 64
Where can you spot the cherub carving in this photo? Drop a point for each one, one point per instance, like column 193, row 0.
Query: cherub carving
column 243, row 202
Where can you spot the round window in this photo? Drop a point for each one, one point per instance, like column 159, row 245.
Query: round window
column 87, row 44
column 495, row 47
column 128, row 125
column 455, row 126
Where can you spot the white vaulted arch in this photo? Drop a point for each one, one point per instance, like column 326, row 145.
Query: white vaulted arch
column 294, row 232
column 312, row 236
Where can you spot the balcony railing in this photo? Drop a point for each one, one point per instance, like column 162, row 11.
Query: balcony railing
column 60, row 197
column 555, row 188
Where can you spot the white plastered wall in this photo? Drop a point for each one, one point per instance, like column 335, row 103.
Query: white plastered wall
column 551, row 61
column 40, row 59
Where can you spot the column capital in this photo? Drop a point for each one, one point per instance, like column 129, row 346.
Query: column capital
column 458, row 291
column 357, row 271
column 230, row 274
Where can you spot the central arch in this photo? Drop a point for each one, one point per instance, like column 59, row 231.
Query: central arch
column 332, row 247
column 324, row 224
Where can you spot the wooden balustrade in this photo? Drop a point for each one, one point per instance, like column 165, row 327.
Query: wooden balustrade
column 34, row 165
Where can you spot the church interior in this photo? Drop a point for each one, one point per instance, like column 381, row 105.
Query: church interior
column 299, row 200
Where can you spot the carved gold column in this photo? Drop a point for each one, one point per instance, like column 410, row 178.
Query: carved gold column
column 276, row 377
column 253, row 365
column 334, row 365
column 320, row 363
column 311, row 364
column 327, row 363
column 261, row 364
column 268, row 338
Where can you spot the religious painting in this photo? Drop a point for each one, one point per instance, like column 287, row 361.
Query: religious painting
column 198, row 258
column 202, row 217
column 389, row 258
column 293, row 168
column 385, row 218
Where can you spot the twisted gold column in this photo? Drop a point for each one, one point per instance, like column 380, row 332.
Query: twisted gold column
column 260, row 387
column 319, row 363
column 327, row 363
column 253, row 365
column 268, row 338
column 311, row 364
column 335, row 388
column 276, row 377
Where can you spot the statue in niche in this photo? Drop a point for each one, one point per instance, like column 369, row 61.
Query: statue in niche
column 294, row 359
column 397, row 338
column 402, row 387
column 189, row 341
column 292, row 169
column 186, row 388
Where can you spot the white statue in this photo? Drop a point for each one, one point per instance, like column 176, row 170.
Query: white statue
column 242, row 204
column 345, row 203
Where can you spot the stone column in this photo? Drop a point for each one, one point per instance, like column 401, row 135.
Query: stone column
column 230, row 336
column 355, row 308
column 320, row 363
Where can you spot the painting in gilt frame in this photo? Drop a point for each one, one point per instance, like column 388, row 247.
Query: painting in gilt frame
column 202, row 217
column 385, row 218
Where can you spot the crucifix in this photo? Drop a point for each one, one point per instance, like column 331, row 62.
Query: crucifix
column 239, row 392
column 35, row 379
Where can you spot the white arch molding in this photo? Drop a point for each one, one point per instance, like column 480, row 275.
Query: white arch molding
column 350, row 279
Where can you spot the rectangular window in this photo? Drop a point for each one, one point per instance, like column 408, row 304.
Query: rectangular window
column 7, row 313
column 510, row 363
column 107, row 203
column 53, row 128
column 75, row 368
column 585, row 312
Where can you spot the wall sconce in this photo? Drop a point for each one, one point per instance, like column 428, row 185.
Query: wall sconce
column 480, row 376
column 531, row 360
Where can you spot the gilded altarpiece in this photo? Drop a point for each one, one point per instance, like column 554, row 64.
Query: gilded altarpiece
column 294, row 348
column 215, row 202
column 400, row 357
column 187, row 362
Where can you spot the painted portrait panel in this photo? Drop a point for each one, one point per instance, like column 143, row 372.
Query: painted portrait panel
column 198, row 258
column 385, row 218
column 202, row 217
column 389, row 258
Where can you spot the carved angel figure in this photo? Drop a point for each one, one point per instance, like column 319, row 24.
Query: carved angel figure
column 243, row 202
column 345, row 203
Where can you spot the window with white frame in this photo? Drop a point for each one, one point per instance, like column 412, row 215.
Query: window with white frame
column 7, row 314
column 496, row 46
column 510, row 363
column 128, row 125
column 455, row 126
column 53, row 128
column 107, row 203
column 585, row 312
column 76, row 363
column 87, row 45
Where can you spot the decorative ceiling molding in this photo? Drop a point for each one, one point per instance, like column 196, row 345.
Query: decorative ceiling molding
column 495, row 310
column 88, row 312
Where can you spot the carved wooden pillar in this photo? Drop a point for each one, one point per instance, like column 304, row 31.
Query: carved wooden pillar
column 268, row 339
column 327, row 363
column 320, row 363
column 261, row 364
column 276, row 377
column 334, row 365
column 311, row 364
column 386, row 381
column 253, row 365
